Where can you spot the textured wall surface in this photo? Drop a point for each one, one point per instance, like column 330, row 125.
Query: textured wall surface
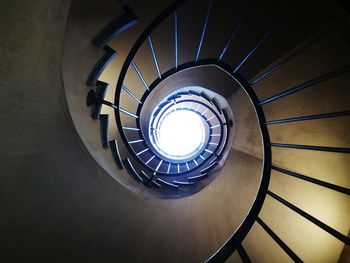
column 58, row 204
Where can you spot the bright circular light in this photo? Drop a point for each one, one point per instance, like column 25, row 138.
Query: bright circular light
column 181, row 134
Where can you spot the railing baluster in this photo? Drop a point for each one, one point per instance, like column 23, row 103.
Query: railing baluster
column 139, row 74
column 307, row 84
column 176, row 28
column 313, row 180
column 110, row 104
column 183, row 183
column 146, row 177
column 132, row 169
column 167, row 183
column 310, row 117
column 128, row 113
column 131, row 94
column 211, row 118
column 130, row 128
column 168, row 168
column 156, row 184
column 293, row 55
column 145, row 150
column 160, row 163
column 254, row 49
column 198, row 176
column 279, row 241
column 189, row 107
column 235, row 29
column 243, row 254
column 204, row 29
column 136, row 141
column 310, row 147
column 154, row 56
column 215, row 126
column 150, row 159
column 312, row 219
column 209, row 168
column 204, row 112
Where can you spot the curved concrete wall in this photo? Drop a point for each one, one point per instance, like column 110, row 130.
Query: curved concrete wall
column 58, row 204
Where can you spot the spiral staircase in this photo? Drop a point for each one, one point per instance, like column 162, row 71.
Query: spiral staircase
column 256, row 57
column 270, row 181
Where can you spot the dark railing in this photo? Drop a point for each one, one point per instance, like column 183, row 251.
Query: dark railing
column 97, row 99
column 243, row 255
column 307, row 84
column 279, row 241
column 311, row 117
column 312, row 219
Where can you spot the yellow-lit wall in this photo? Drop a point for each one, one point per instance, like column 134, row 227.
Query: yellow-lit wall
column 60, row 204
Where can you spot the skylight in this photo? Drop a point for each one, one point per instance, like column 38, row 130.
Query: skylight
column 180, row 134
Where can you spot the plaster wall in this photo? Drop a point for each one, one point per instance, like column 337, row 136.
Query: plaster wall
column 58, row 204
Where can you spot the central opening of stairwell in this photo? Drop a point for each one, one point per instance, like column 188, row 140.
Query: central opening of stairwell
column 180, row 134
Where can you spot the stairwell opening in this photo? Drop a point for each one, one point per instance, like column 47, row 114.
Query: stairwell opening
column 178, row 134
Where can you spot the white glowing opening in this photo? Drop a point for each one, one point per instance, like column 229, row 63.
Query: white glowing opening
column 181, row 134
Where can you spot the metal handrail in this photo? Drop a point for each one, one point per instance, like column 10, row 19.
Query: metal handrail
column 235, row 241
